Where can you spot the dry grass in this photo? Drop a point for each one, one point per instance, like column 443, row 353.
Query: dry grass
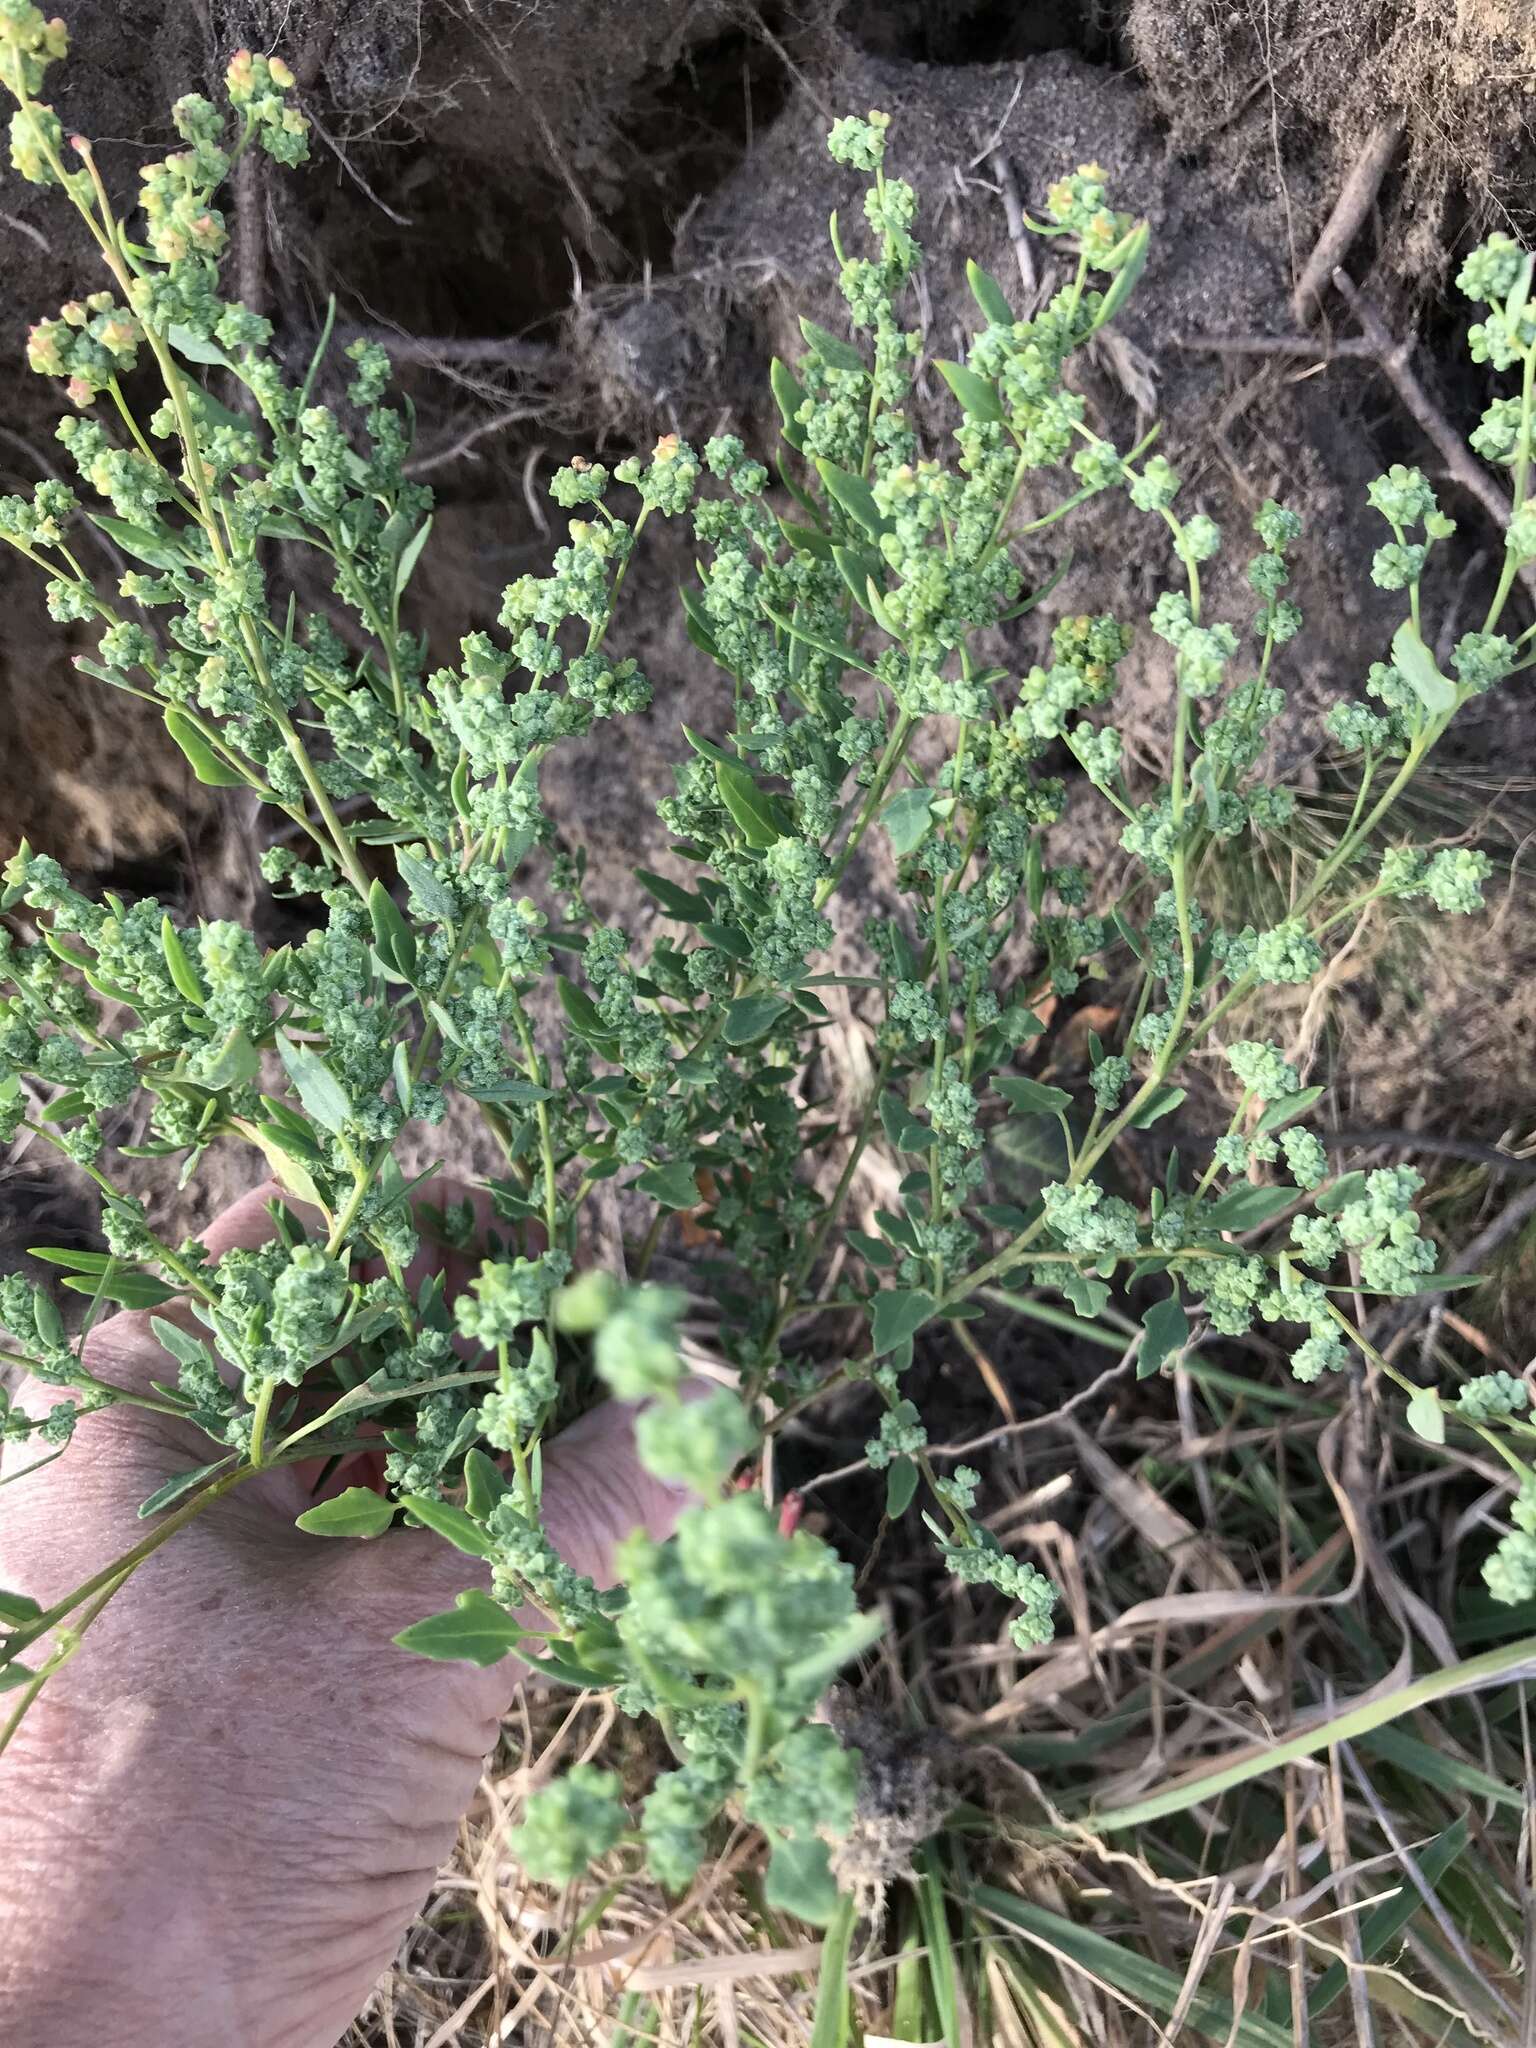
column 1250, row 1568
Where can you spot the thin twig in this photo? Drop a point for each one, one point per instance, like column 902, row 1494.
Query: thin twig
column 494, row 425
column 1356, row 197
column 1275, row 345
column 25, row 227
column 1492, row 1235
column 1013, row 212
column 401, row 220
column 1054, row 1420
column 457, row 348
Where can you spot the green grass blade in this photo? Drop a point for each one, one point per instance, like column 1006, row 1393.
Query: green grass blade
column 1449, row 1774
column 1346, row 1727
column 830, row 2029
column 1379, row 1926
column 943, row 1976
column 1137, row 1977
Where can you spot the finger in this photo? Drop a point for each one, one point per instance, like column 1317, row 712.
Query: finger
column 597, row 1492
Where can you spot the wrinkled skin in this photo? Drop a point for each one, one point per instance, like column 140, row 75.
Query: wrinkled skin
column 221, row 1814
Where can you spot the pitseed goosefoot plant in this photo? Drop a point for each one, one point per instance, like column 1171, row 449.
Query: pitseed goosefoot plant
column 843, row 601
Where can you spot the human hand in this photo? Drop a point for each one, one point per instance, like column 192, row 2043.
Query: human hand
column 220, row 1815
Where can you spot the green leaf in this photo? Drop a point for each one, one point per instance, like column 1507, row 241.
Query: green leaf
column 676, row 901
column 728, row 939
column 181, row 1344
column 851, row 1638
column 1162, row 1102
column 483, row 1484
column 1445, row 1283
column 14, row 1676
column 475, row 1630
column 907, row 819
column 1349, row 1187
column 901, row 1127
column 750, row 1017
column 674, row 1186
column 897, row 1314
column 1130, row 935
column 523, row 1093
column 276, row 1147
column 317, row 1087
column 178, row 965
column 197, row 348
column 16, row 1608
column 977, row 395
column 900, row 1485
column 451, row 1523
column 581, row 1011
column 283, row 526
column 858, row 567
column 203, row 761
column 76, row 1262
column 139, row 542
column 820, row 641
column 49, row 1323
column 184, row 1482
column 747, row 804
column 853, row 495
column 1088, row 1297
column 128, row 1289
column 873, row 1249
column 435, row 897
column 400, row 1072
column 410, row 554
column 836, row 353
column 358, row 1512
column 1246, row 1207
column 789, row 395
column 1167, row 1331
column 1288, row 1108
column 393, row 937
column 1031, row 1098
column 705, row 749
column 236, row 1062
column 989, row 295
column 800, row 1881
column 1123, row 283
column 1426, row 1416
column 1027, row 604
column 1420, row 671
column 696, row 620
column 806, row 540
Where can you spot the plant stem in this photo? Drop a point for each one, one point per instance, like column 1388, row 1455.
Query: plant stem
column 261, row 1409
